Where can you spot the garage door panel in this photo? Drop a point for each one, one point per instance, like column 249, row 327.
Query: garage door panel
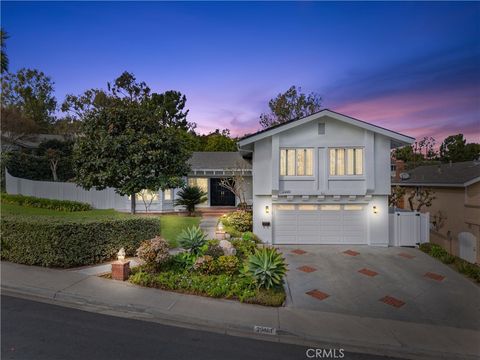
column 326, row 224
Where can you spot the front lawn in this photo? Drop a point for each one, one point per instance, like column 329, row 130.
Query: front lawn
column 18, row 212
column 172, row 225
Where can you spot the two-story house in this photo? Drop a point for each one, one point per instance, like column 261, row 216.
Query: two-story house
column 322, row 179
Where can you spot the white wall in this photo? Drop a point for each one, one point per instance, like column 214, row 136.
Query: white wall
column 262, row 167
column 378, row 224
column 99, row 199
column 259, row 216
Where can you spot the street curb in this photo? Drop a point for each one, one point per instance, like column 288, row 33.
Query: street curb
column 64, row 298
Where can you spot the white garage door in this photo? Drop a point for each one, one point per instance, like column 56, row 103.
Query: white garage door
column 319, row 224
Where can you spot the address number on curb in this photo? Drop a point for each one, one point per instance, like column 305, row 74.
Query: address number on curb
column 264, row 330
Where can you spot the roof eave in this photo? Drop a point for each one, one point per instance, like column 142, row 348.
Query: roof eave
column 397, row 138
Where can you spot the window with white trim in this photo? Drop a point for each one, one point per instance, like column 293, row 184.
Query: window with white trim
column 167, row 194
column 296, row 162
column 348, row 161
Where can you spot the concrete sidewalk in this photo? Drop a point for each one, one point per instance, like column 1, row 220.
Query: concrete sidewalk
column 305, row 327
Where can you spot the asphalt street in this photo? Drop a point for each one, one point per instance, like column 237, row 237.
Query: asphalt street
column 34, row 330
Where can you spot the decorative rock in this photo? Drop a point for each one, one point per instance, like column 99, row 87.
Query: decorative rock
column 227, row 236
column 227, row 247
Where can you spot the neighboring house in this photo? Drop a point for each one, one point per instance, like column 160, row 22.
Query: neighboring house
column 457, row 199
column 322, row 179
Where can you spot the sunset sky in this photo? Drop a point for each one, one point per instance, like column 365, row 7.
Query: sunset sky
column 410, row 67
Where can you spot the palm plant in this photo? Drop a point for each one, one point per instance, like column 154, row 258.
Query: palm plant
column 191, row 196
column 267, row 267
column 192, row 239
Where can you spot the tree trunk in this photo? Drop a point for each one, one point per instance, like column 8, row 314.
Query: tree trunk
column 132, row 204
column 53, row 167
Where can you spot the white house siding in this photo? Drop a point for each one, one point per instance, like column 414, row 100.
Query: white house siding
column 370, row 190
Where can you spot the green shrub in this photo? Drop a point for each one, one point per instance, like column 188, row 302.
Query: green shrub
column 268, row 297
column 267, row 267
column 437, row 251
column 30, row 201
column 68, row 243
column 184, row 260
column 34, row 167
column 228, row 264
column 239, row 220
column 154, row 252
column 447, row 258
column 469, row 269
column 192, row 239
column 425, row 247
column 244, row 247
column 206, row 265
column 250, row 236
column 214, row 250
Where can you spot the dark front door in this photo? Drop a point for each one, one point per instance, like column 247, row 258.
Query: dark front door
column 219, row 196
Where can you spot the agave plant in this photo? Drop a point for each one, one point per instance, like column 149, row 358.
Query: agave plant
column 267, row 267
column 192, row 239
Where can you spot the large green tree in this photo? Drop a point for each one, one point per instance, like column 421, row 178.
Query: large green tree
column 4, row 58
column 30, row 91
column 291, row 104
column 131, row 139
column 455, row 149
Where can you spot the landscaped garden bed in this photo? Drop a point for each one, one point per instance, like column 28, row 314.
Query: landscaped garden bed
column 468, row 269
column 237, row 270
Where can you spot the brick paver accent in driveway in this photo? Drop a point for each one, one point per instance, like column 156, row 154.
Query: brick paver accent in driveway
column 368, row 272
column 317, row 294
column 434, row 276
column 307, row 269
column 390, row 300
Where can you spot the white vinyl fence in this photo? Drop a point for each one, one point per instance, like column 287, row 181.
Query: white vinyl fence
column 99, row 199
column 409, row 228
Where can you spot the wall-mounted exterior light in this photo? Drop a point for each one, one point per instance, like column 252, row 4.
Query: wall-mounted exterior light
column 375, row 209
column 267, row 210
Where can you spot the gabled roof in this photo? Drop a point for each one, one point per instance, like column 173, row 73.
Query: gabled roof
column 218, row 160
column 458, row 174
column 397, row 138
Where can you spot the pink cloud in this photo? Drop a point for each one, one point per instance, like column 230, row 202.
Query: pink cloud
column 422, row 113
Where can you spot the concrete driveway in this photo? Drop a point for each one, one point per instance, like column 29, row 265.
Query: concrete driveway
column 391, row 283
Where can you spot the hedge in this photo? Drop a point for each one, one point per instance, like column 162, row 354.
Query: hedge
column 67, row 243
column 30, row 201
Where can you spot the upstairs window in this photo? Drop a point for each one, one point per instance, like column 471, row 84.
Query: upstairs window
column 346, row 161
column 296, row 162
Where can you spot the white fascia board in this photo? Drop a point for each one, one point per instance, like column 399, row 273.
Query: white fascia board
column 473, row 181
column 400, row 138
column 428, row 185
